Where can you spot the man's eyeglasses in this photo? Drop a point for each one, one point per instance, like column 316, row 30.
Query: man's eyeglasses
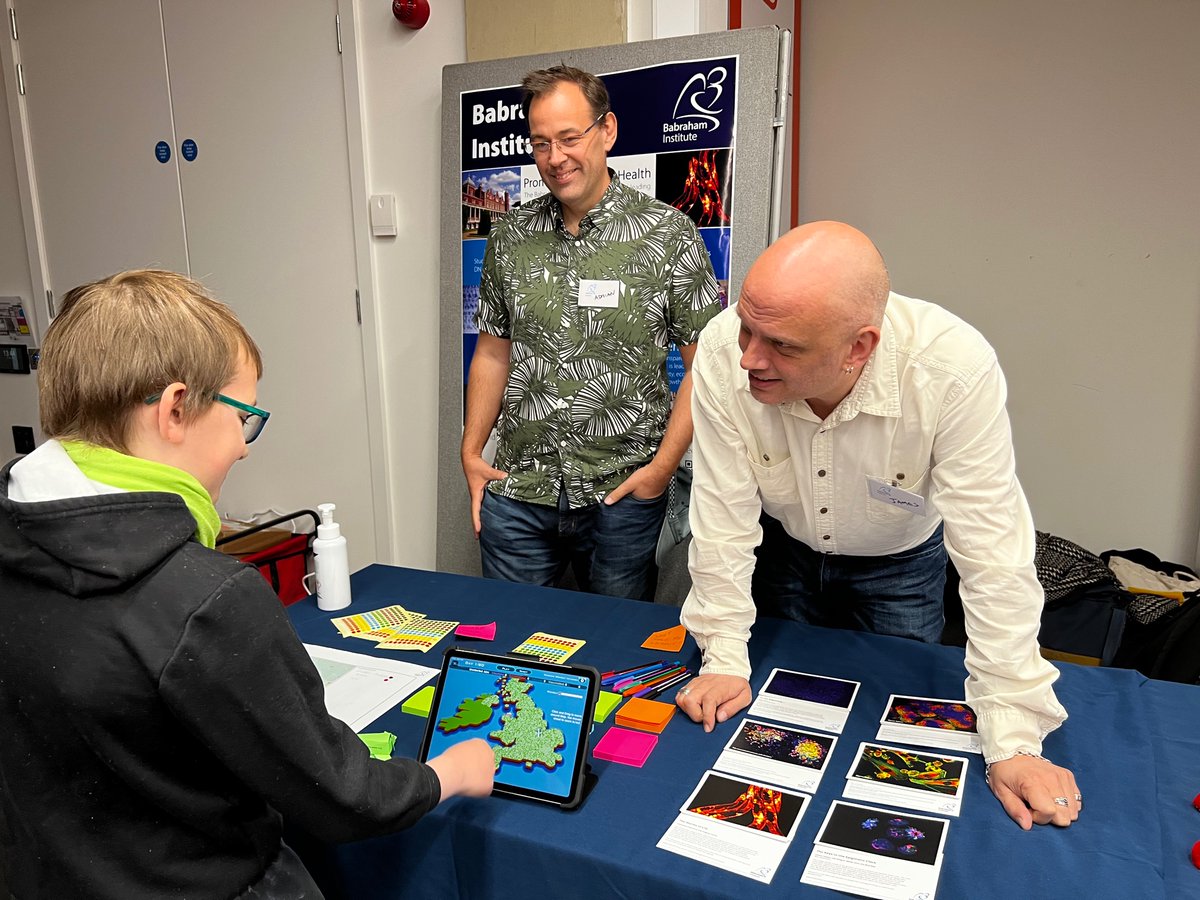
column 542, row 148
column 253, row 418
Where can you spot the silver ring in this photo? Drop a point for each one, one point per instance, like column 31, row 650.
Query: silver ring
column 1079, row 798
column 1061, row 801
column 683, row 692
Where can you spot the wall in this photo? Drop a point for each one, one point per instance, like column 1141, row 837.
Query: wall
column 1032, row 166
column 497, row 29
column 18, row 393
column 401, row 73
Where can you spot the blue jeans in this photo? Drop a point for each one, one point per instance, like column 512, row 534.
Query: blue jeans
column 609, row 548
column 899, row 594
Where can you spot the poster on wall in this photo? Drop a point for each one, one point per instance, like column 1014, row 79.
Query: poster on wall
column 675, row 142
column 14, row 325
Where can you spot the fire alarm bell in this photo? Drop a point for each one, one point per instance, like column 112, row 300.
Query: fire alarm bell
column 413, row 13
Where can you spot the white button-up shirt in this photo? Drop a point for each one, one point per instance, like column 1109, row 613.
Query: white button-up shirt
column 927, row 415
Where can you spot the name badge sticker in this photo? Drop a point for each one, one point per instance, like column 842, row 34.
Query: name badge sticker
column 605, row 294
column 883, row 491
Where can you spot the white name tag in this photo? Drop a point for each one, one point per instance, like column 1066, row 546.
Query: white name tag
column 599, row 293
column 884, row 491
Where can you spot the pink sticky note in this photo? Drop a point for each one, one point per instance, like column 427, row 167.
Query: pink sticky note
column 621, row 745
column 479, row 632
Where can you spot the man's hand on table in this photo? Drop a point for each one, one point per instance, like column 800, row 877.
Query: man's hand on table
column 1033, row 791
column 709, row 699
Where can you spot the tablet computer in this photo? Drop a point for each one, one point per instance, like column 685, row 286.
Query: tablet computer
column 535, row 715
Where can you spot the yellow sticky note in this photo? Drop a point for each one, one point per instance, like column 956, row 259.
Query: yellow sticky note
column 380, row 743
column 606, row 703
column 669, row 639
column 418, row 703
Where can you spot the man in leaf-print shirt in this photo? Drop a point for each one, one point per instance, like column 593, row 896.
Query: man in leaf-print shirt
column 582, row 293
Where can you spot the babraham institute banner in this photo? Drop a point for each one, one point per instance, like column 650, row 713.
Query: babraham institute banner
column 675, row 142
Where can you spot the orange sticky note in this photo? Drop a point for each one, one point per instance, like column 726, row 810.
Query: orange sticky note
column 669, row 639
column 645, row 715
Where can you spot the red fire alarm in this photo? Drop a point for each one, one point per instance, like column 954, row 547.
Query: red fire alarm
column 413, row 13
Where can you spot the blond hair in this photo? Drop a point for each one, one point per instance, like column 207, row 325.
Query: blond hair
column 121, row 340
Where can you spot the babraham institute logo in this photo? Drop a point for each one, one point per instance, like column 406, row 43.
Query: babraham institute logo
column 697, row 106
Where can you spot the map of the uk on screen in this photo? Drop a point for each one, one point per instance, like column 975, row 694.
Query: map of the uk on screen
column 532, row 720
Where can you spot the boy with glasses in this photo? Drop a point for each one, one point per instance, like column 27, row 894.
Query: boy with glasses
column 582, row 293
column 158, row 713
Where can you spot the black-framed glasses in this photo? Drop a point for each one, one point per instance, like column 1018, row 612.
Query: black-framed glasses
column 542, row 148
column 253, row 418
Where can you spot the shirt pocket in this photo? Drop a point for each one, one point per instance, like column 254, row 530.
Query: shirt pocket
column 880, row 513
column 776, row 481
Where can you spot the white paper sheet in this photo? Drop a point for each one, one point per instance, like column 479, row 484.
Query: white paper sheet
column 725, row 835
column 912, row 779
column 777, row 755
column 877, row 853
column 801, row 698
column 360, row 688
column 929, row 722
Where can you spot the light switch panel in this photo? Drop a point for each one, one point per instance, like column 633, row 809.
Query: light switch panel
column 383, row 215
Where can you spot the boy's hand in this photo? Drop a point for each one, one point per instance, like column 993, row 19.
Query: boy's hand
column 466, row 769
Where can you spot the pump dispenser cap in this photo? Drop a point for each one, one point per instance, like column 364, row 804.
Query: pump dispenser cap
column 328, row 528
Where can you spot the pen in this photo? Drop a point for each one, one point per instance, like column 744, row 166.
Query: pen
column 654, row 691
column 657, row 678
column 621, row 681
column 641, row 677
column 639, row 667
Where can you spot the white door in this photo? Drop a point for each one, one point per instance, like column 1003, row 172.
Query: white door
column 98, row 105
column 266, row 201
column 258, row 87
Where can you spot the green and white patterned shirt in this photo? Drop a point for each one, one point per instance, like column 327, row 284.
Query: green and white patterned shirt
column 587, row 398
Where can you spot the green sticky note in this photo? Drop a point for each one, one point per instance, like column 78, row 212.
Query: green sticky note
column 606, row 703
column 380, row 744
column 418, row 703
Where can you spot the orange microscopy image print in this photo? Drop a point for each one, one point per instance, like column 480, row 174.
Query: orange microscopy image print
column 747, row 804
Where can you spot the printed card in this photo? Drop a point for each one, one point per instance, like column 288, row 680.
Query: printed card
column 803, row 699
column 877, row 852
column 899, row 776
column 929, row 722
column 743, row 827
column 777, row 755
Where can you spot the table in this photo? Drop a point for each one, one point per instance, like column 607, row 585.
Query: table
column 1133, row 743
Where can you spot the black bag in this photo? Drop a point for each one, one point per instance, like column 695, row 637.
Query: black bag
column 1083, row 618
column 1162, row 639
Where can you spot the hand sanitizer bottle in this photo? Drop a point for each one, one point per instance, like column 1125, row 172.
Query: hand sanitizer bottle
column 331, row 562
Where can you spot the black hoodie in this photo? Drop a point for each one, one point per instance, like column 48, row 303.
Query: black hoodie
column 158, row 713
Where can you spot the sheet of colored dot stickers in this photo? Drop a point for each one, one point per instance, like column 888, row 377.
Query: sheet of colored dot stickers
column 877, row 852
column 395, row 628
column 548, row 647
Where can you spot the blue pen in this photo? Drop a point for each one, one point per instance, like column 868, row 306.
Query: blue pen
column 620, row 672
column 634, row 674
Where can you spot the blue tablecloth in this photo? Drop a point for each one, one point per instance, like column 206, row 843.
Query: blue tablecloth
column 1133, row 743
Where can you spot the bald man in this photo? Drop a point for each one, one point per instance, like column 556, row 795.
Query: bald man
column 846, row 439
